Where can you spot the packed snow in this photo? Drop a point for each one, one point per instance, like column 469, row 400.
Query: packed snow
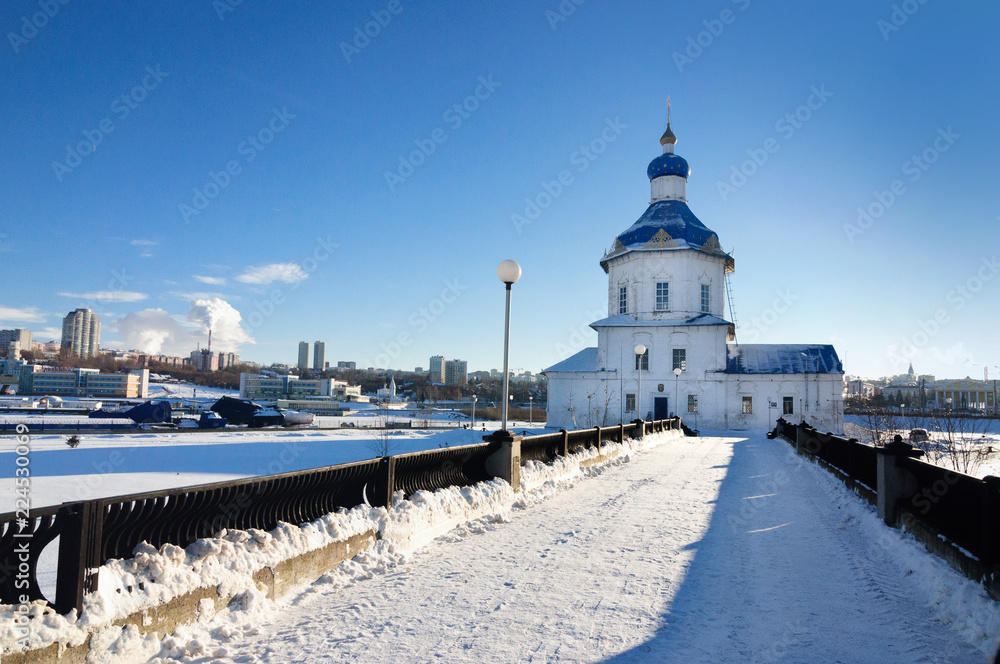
column 723, row 548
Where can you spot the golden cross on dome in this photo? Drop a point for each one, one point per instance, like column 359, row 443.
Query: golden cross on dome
column 668, row 110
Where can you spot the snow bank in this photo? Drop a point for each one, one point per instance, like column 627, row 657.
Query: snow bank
column 156, row 576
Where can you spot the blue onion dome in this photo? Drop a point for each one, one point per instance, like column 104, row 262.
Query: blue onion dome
column 668, row 164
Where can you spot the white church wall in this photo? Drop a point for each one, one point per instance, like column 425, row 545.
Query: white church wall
column 685, row 272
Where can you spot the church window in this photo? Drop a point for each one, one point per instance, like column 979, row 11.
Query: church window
column 662, row 296
column 623, row 300
column 692, row 403
column 788, row 405
column 706, row 294
column 645, row 361
column 748, row 405
column 629, row 402
column 680, row 359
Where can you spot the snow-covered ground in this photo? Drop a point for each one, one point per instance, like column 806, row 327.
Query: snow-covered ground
column 722, row 548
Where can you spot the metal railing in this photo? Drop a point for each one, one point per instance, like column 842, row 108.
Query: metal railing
column 93, row 531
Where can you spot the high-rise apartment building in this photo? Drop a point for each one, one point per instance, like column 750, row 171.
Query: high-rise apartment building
column 81, row 333
column 319, row 356
column 456, row 372
column 22, row 337
column 437, row 369
column 303, row 355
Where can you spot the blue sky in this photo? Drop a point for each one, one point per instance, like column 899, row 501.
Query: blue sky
column 301, row 180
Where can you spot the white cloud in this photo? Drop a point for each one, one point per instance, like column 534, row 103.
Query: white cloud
column 223, row 320
column 108, row 296
column 143, row 243
column 155, row 331
column 214, row 281
column 25, row 315
column 288, row 273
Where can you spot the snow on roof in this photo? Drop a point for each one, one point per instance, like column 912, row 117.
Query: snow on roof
column 625, row 320
column 782, row 359
column 585, row 360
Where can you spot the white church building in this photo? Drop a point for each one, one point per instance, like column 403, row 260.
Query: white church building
column 667, row 293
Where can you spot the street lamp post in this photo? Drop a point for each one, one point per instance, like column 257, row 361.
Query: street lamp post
column 640, row 350
column 677, row 380
column 474, row 400
column 508, row 272
column 531, row 403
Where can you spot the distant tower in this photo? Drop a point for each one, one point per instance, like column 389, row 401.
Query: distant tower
column 437, row 369
column 303, row 355
column 319, row 356
column 81, row 333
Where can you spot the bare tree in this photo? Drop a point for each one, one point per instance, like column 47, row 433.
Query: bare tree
column 880, row 425
column 383, row 444
column 960, row 442
column 572, row 409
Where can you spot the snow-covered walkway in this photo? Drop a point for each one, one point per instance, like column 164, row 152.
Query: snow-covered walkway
column 716, row 549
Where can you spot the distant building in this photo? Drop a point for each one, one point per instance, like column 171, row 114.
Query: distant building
column 303, row 355
column 456, row 372
column 227, row 360
column 204, row 360
column 388, row 393
column 35, row 379
column 81, row 333
column 479, row 377
column 860, row 388
column 22, row 337
column 272, row 388
column 319, row 356
column 437, row 369
column 347, row 365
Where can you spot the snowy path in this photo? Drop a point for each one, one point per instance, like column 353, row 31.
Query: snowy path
column 711, row 549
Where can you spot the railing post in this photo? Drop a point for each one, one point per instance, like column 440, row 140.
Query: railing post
column 385, row 482
column 621, row 433
column 991, row 520
column 597, row 437
column 79, row 553
column 638, row 429
column 505, row 462
column 894, row 482
column 564, row 443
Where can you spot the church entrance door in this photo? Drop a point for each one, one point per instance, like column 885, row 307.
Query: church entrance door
column 660, row 408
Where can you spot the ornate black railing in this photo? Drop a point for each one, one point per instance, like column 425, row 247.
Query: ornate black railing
column 93, row 531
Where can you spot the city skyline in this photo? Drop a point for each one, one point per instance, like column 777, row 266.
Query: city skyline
column 325, row 183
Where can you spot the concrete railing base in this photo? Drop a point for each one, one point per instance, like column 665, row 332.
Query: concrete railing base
column 277, row 581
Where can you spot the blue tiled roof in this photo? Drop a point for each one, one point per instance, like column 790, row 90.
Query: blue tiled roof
column 625, row 320
column 585, row 360
column 678, row 221
column 783, row 359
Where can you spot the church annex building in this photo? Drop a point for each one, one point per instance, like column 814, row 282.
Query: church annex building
column 666, row 292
